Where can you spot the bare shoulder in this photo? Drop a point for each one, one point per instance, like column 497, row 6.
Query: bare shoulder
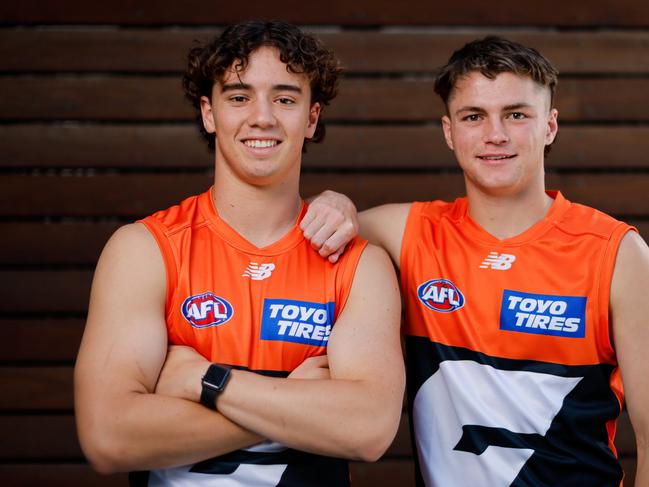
column 631, row 266
column 629, row 304
column 384, row 226
column 375, row 280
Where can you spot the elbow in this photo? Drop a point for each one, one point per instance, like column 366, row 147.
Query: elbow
column 103, row 452
column 102, row 459
column 378, row 437
column 373, row 447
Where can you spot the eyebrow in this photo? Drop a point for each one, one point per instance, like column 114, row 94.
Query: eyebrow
column 515, row 106
column 245, row 87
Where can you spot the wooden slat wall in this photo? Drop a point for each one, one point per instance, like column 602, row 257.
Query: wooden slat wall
column 95, row 133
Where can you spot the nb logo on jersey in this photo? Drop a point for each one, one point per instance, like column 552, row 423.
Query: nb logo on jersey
column 258, row 272
column 440, row 295
column 499, row 262
column 207, row 309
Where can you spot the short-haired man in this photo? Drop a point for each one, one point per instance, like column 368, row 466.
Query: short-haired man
column 228, row 279
column 524, row 312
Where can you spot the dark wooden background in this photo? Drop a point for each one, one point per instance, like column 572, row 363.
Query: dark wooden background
column 95, row 133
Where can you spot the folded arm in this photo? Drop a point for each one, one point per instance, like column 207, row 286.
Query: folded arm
column 356, row 413
column 349, row 410
column 122, row 424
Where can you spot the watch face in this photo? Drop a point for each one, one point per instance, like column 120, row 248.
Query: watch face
column 216, row 377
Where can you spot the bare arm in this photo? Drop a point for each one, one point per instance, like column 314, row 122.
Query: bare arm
column 629, row 312
column 384, row 226
column 121, row 424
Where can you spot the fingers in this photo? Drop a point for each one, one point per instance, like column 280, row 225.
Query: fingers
column 330, row 223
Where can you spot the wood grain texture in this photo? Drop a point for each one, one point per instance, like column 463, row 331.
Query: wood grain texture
column 83, row 49
column 627, row 13
column 142, row 99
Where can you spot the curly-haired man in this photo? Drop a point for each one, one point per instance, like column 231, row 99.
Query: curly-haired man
column 278, row 361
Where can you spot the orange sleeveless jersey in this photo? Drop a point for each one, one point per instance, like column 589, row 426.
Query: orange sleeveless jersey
column 264, row 310
column 512, row 378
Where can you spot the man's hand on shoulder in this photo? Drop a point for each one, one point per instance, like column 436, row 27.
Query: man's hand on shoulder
column 330, row 223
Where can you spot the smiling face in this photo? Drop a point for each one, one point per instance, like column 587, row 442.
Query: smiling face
column 498, row 129
column 261, row 116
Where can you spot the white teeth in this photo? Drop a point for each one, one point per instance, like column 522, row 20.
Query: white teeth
column 496, row 158
column 257, row 144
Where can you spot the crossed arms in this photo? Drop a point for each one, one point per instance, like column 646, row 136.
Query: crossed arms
column 130, row 417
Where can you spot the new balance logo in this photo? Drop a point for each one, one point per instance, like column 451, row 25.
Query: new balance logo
column 258, row 272
column 499, row 262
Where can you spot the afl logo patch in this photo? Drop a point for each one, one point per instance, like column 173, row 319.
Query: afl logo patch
column 440, row 295
column 207, row 309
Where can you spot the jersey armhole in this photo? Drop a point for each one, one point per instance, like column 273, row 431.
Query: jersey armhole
column 158, row 232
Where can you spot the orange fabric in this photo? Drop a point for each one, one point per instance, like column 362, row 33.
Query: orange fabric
column 571, row 252
column 203, row 254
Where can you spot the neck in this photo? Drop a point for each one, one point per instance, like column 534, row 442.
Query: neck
column 261, row 214
column 508, row 216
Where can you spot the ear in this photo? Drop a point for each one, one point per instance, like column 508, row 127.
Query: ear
column 446, row 126
column 312, row 123
column 207, row 115
column 552, row 126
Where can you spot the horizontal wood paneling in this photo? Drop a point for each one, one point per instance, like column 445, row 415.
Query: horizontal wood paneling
column 385, row 473
column 136, row 98
column 178, row 146
column 81, row 243
column 96, row 133
column 36, row 388
column 364, row 12
column 37, row 340
column 64, row 291
column 67, row 242
column 160, row 51
column 135, row 194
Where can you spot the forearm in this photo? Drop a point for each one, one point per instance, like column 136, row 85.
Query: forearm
column 346, row 418
column 144, row 431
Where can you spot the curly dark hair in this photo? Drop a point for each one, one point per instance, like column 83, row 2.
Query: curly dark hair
column 491, row 56
column 302, row 53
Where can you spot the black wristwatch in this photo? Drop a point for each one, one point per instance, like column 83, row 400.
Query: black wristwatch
column 214, row 382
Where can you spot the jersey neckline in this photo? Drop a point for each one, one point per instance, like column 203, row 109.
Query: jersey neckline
column 559, row 206
column 290, row 240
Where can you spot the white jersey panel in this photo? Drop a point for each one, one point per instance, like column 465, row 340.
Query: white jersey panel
column 463, row 393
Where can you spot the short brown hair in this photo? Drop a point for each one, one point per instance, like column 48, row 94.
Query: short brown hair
column 492, row 56
column 302, row 53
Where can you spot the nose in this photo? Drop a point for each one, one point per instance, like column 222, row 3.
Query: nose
column 495, row 131
column 261, row 113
